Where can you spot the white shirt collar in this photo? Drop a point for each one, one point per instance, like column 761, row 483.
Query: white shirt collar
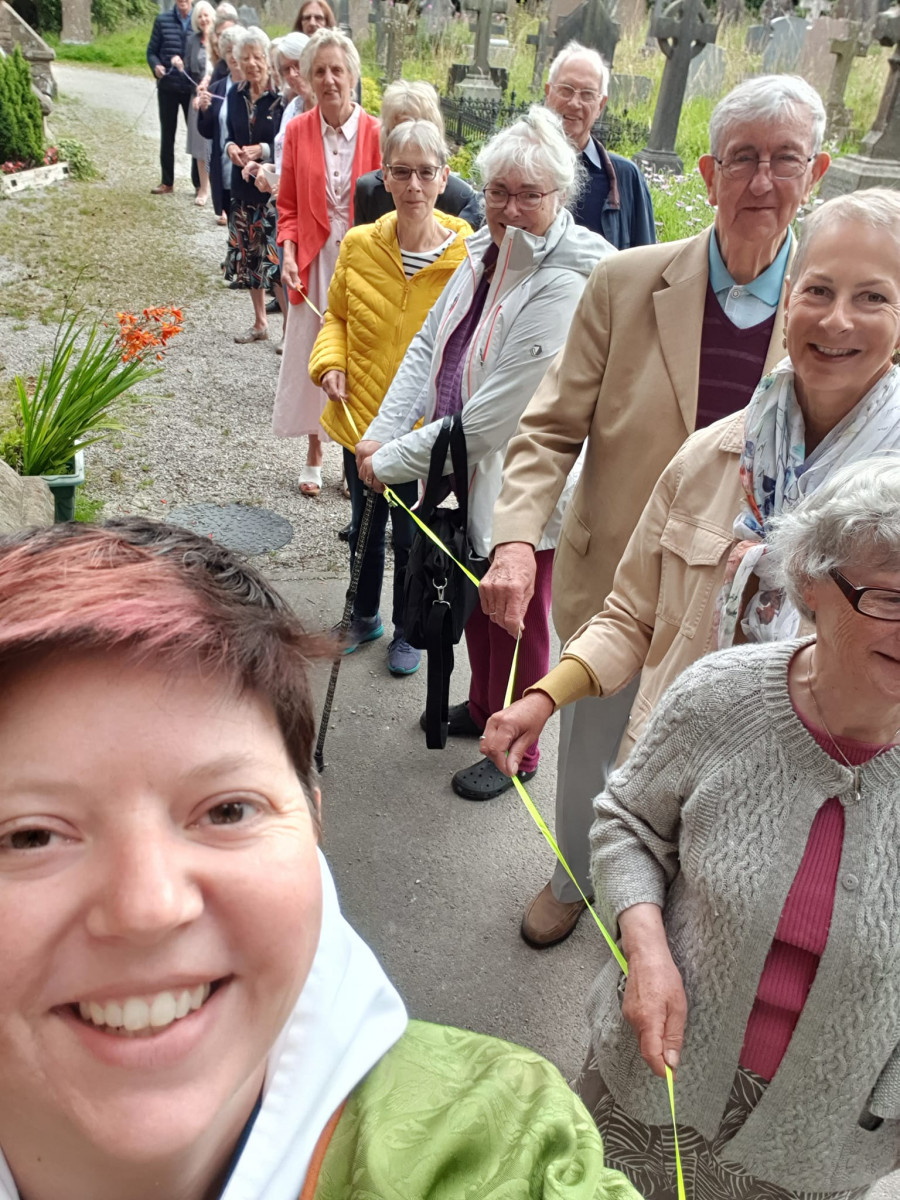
column 347, row 130
column 590, row 151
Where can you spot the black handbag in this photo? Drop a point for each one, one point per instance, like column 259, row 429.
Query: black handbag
column 438, row 598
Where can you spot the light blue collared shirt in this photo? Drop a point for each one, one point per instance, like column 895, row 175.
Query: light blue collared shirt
column 747, row 304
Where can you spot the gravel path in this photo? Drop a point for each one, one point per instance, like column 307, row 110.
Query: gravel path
column 207, row 436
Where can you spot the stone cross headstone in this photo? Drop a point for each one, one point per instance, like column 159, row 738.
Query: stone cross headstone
column 475, row 79
column 855, row 44
column 590, row 24
column 435, row 16
column 784, row 47
column 76, row 22
column 379, row 18
column 706, row 76
column 400, row 25
column 683, row 29
column 878, row 162
column 817, row 63
column 541, row 43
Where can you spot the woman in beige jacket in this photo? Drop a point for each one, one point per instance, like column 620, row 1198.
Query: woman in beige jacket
column 695, row 576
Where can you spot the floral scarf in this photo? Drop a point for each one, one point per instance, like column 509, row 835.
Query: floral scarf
column 775, row 475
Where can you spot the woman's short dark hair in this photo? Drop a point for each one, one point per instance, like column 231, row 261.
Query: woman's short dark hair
column 164, row 595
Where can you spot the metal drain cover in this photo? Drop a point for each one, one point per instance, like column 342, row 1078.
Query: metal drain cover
column 250, row 530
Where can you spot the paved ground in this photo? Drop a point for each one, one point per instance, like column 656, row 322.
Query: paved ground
column 436, row 884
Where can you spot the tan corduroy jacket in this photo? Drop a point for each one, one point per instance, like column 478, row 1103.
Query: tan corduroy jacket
column 626, row 381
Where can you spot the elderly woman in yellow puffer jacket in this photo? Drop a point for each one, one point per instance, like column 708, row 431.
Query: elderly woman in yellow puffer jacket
column 387, row 278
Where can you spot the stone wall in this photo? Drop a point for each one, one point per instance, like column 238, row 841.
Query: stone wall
column 16, row 32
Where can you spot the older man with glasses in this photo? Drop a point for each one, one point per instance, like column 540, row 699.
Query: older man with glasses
column 666, row 339
column 615, row 201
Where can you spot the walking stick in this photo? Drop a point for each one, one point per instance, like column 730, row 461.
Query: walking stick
column 361, row 543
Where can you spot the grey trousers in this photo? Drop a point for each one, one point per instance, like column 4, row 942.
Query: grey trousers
column 590, row 731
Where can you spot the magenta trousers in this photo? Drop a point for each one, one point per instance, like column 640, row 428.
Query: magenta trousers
column 491, row 652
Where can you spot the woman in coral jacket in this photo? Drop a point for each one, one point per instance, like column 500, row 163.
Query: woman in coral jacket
column 325, row 152
column 388, row 276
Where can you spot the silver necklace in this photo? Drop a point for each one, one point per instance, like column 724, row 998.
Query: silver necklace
column 852, row 766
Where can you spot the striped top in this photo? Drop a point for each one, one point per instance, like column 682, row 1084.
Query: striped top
column 415, row 260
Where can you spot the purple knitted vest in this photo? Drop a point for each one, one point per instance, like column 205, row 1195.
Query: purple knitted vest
column 731, row 362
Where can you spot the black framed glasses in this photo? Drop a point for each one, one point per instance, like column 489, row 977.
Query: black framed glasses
column 403, row 174
column 499, row 197
column 881, row 603
column 746, row 163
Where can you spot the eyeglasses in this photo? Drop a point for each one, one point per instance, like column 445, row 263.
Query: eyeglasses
column 499, row 197
column 403, row 174
column 745, row 164
column 881, row 603
column 585, row 95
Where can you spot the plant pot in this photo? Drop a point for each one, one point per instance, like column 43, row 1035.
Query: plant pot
column 63, row 488
column 33, row 177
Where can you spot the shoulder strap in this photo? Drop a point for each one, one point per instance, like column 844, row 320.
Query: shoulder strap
column 432, row 493
column 315, row 1163
column 439, row 648
column 460, row 459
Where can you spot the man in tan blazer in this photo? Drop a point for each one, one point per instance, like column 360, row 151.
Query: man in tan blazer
column 665, row 339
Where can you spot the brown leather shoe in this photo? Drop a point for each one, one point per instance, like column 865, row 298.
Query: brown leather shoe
column 162, row 189
column 548, row 921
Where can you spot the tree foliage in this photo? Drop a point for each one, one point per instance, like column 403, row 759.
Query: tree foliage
column 21, row 120
column 107, row 15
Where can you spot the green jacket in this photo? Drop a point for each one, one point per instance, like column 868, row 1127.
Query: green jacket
column 452, row 1115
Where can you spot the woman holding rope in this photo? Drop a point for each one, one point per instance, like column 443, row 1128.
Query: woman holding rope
column 184, row 1010
column 482, row 351
column 388, row 277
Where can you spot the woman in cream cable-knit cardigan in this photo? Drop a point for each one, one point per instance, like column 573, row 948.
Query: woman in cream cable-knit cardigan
column 748, row 851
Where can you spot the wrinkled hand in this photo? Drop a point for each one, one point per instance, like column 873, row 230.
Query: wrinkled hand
column 237, row 154
column 266, row 180
column 254, row 153
column 249, row 171
column 507, row 588
column 290, row 274
column 159, row 70
column 334, row 385
column 514, row 729
column 655, row 1005
column 368, row 476
column 365, row 449
column 203, row 100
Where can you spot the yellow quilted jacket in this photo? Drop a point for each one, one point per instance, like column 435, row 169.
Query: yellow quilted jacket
column 374, row 312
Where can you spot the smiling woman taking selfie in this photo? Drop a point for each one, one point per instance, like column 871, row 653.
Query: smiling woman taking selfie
column 184, row 1011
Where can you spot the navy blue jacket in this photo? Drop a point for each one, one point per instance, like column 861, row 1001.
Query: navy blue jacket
column 167, row 41
column 208, row 126
column 246, row 132
column 616, row 202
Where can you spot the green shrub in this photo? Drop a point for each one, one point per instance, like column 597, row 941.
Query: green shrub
column 81, row 165
column 21, row 120
column 107, row 15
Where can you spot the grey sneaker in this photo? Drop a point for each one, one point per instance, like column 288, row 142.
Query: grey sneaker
column 403, row 659
column 362, row 629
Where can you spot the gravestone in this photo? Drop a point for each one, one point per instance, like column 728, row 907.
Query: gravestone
column 76, row 22
column 625, row 90
column 857, row 10
column 590, row 24
column 817, row 63
column 854, row 45
column 14, row 31
column 814, row 9
column 358, row 19
column 757, row 38
column 247, row 15
column 731, row 11
column 541, row 43
column 401, row 25
column 630, row 14
column 475, row 82
column 683, row 29
column 878, row 162
column 706, row 76
column 435, row 16
column 378, row 17
column 784, row 47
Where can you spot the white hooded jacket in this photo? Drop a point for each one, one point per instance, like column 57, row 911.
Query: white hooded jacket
column 536, row 285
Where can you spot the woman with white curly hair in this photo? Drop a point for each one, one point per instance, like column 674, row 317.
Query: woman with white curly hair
column 482, row 351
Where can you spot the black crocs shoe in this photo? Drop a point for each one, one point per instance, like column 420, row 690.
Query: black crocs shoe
column 460, row 722
column 484, row 781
